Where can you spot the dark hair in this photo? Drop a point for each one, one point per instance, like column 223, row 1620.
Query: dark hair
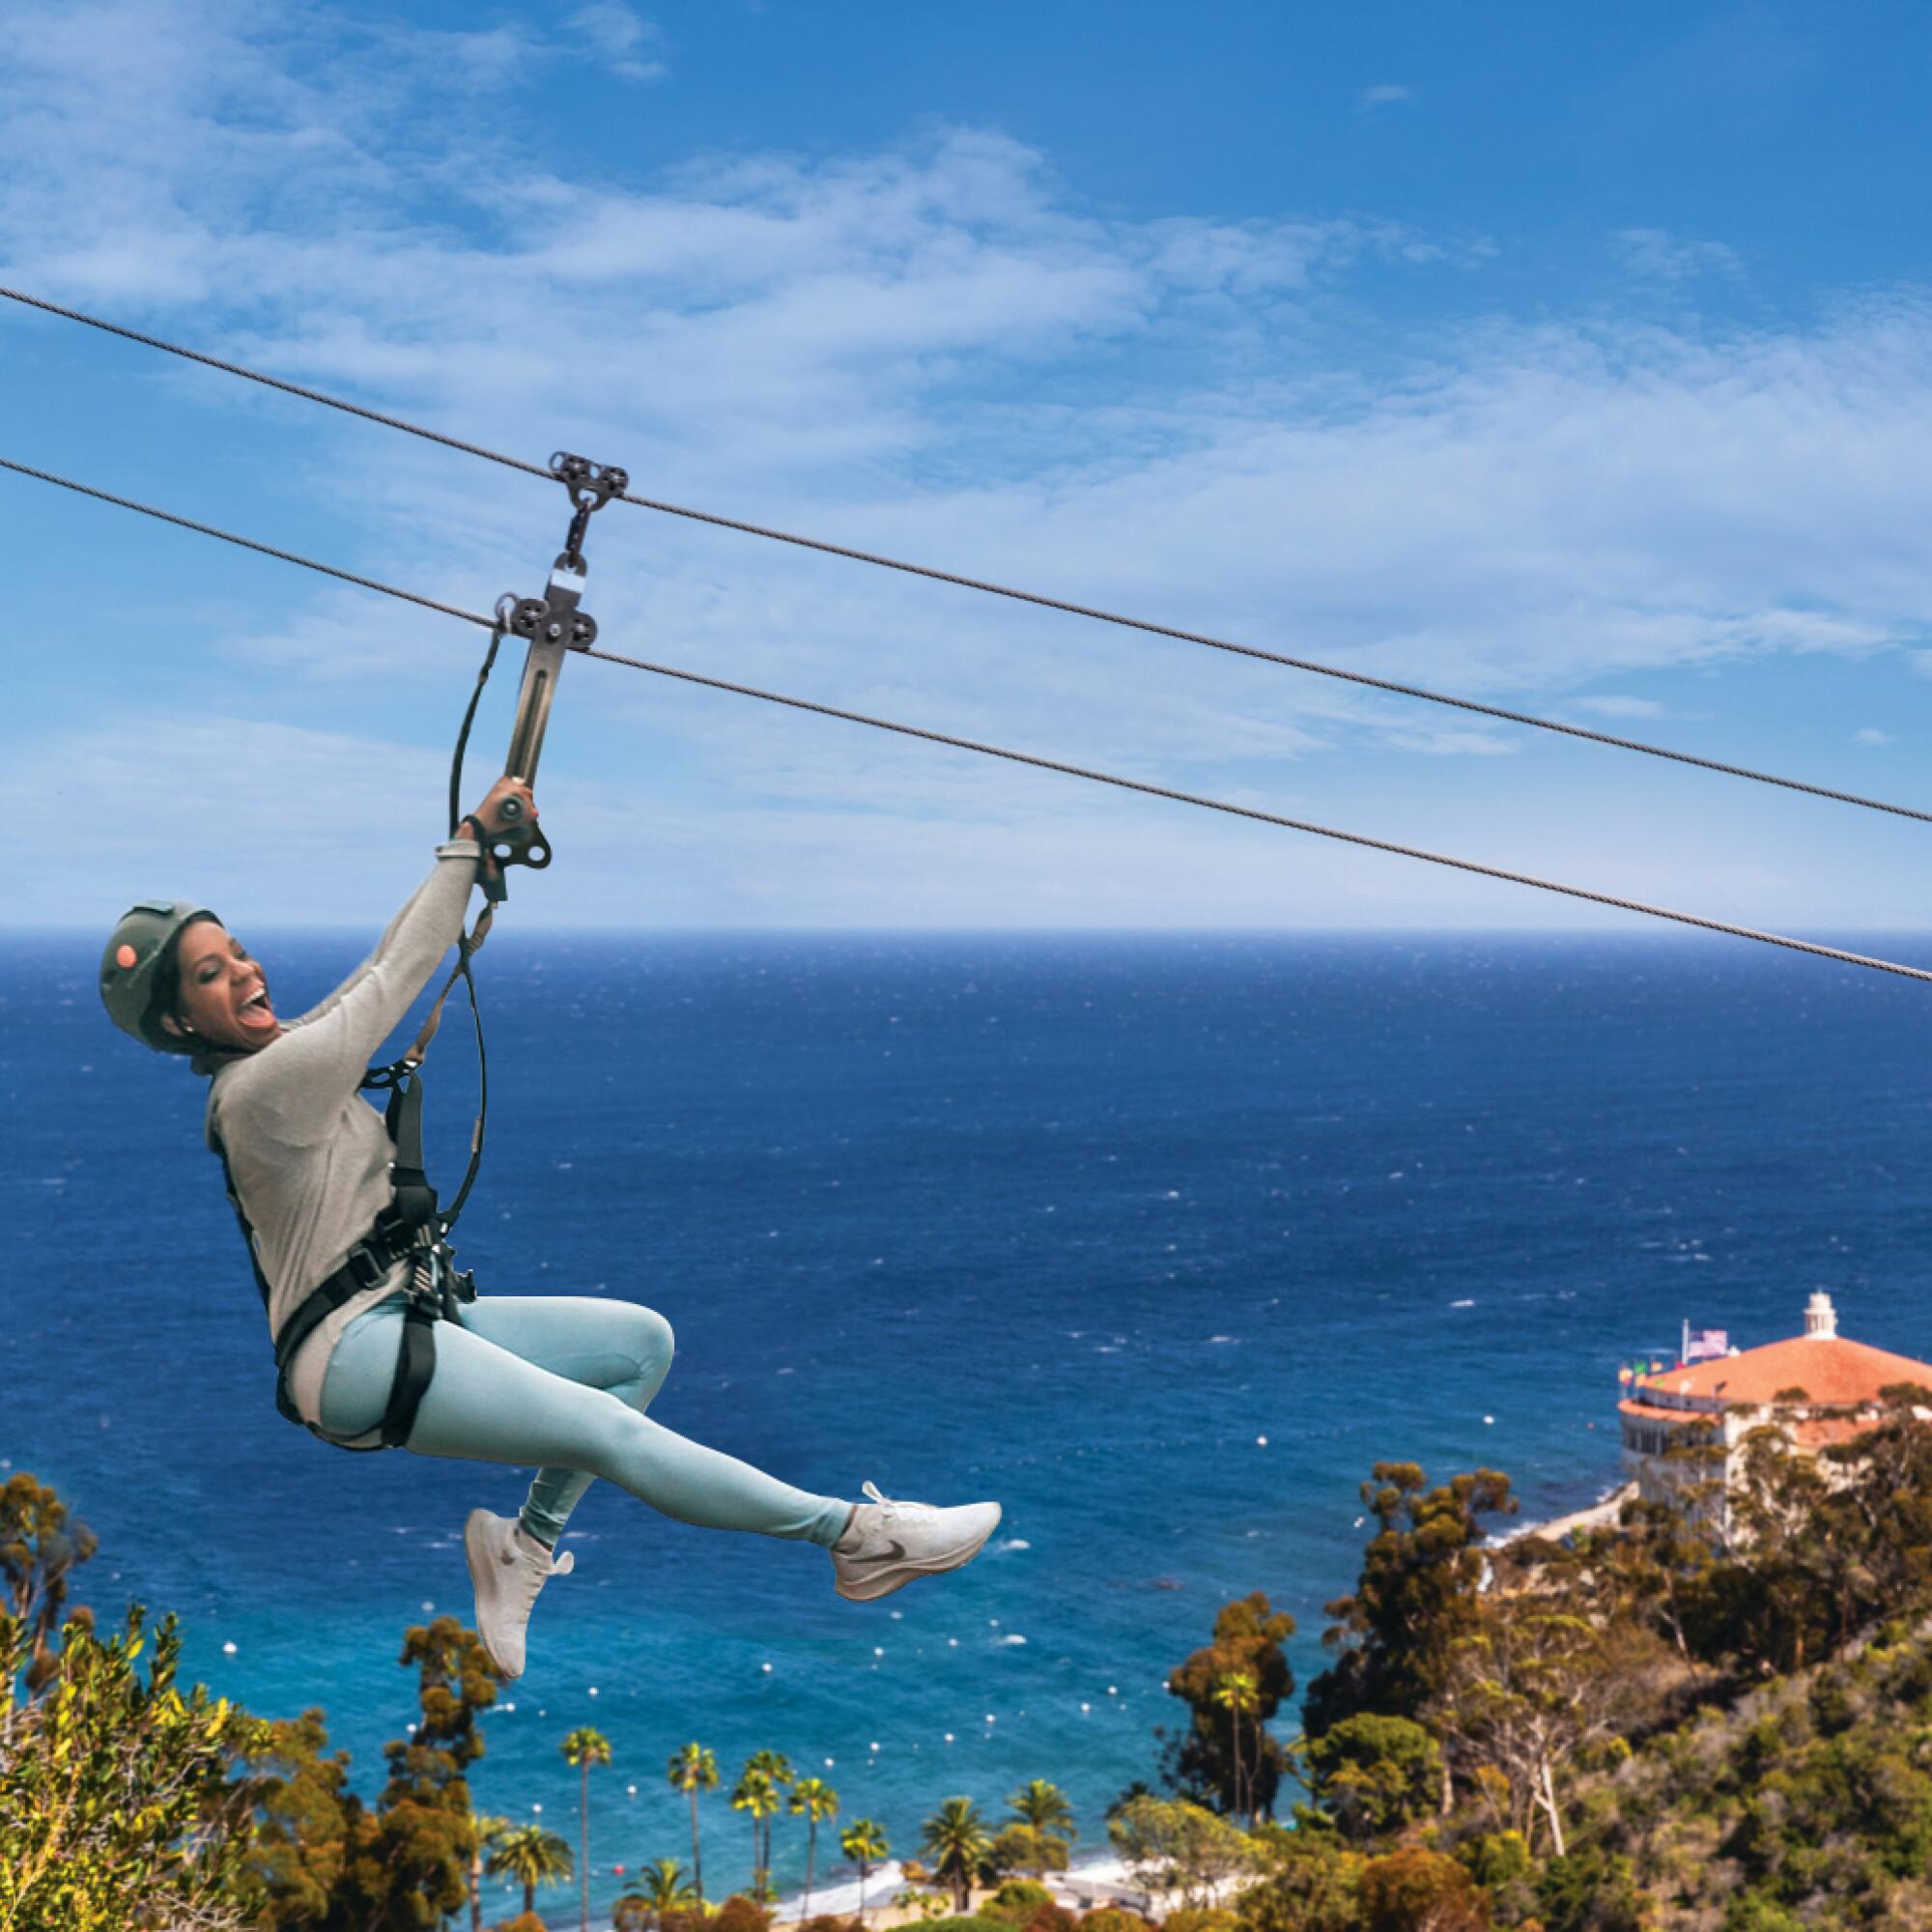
column 164, row 995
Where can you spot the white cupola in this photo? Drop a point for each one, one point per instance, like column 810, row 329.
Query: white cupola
column 1821, row 1318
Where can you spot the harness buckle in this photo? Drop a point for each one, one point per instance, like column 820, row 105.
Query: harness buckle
column 363, row 1261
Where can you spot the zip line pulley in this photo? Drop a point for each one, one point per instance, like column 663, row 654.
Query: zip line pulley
column 554, row 623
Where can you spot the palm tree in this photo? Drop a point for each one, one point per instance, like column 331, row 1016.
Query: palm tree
column 863, row 1840
column 776, row 1766
column 1043, row 1808
column 817, row 1800
column 1235, row 1692
column 692, row 1770
column 531, row 1855
column 756, row 1794
column 956, row 1836
column 583, row 1748
column 488, row 1832
column 662, row 1888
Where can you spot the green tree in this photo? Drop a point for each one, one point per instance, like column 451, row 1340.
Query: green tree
column 583, row 1748
column 863, row 1842
column 1043, row 1809
column 756, row 1793
column 1533, row 1683
column 692, row 1770
column 306, row 1820
column 1236, row 1693
column 1657, row 1561
column 956, row 1836
column 530, row 1856
column 661, row 1888
column 1374, row 1775
column 777, row 1767
column 1313, row 1885
column 1175, row 1846
column 1416, row 1596
column 489, row 1832
column 1203, row 1764
column 40, row 1549
column 815, row 1799
column 1021, row 1848
column 116, row 1808
column 409, row 1861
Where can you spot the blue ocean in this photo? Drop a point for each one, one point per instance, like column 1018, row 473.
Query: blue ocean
column 1159, row 1241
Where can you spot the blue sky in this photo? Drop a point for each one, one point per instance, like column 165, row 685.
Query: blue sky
column 1579, row 361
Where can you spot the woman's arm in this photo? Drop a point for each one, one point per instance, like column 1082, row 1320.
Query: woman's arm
column 381, row 946
column 302, row 1079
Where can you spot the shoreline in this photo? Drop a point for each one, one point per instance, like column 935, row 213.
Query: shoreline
column 1088, row 1883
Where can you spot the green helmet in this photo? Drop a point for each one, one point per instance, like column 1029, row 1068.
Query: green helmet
column 134, row 950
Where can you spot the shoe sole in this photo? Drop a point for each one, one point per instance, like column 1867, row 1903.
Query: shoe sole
column 477, row 1555
column 883, row 1583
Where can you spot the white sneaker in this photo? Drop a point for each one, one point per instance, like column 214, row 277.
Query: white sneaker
column 888, row 1543
column 508, row 1567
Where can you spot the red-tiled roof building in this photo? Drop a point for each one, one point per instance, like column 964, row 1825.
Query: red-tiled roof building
column 1821, row 1387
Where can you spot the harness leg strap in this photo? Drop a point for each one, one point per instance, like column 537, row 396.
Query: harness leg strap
column 416, row 1364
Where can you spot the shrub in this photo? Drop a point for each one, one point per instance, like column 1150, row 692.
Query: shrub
column 1051, row 1918
column 1589, row 1892
column 1495, row 1858
column 1114, row 1919
column 739, row 1913
column 1415, row 1890
column 1022, row 1894
column 1751, row 1913
column 1200, row 1918
column 1316, row 1886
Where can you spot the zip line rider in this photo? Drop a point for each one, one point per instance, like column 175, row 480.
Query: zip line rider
column 379, row 1344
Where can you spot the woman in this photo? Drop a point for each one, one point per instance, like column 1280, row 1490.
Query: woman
column 561, row 1381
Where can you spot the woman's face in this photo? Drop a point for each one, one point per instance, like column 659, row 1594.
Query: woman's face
column 224, row 997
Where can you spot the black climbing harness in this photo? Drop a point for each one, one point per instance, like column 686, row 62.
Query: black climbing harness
column 409, row 1229
column 413, row 1229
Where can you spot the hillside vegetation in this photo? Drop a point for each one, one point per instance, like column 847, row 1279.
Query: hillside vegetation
column 1644, row 1728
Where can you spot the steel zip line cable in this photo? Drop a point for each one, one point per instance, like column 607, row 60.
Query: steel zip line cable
column 934, row 575
column 974, row 745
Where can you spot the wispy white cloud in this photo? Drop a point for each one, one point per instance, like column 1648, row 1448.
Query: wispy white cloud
column 628, row 44
column 1385, row 94
column 1610, row 706
column 1656, row 255
column 1870, row 734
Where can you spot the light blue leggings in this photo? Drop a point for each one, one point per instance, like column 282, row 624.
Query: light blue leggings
column 563, row 1382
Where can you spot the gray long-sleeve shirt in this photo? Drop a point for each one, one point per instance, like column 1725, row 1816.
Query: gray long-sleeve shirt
column 309, row 1157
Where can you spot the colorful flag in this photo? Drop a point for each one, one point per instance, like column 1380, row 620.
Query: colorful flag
column 1707, row 1345
column 1625, row 1376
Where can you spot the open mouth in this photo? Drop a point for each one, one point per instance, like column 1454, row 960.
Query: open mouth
column 255, row 1009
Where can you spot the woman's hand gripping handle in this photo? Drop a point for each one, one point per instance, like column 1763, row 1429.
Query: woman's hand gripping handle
column 505, row 825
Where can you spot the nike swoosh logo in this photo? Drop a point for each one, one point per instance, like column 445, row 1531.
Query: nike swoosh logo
column 892, row 1555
